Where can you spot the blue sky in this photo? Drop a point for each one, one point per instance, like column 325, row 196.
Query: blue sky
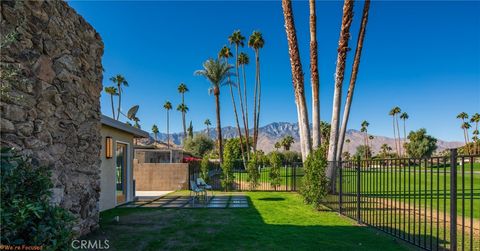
column 421, row 56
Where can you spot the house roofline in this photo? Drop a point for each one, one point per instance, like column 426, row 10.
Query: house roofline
column 137, row 133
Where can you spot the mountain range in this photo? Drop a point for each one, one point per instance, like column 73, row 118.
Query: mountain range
column 273, row 132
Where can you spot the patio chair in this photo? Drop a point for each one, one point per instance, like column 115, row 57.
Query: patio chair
column 202, row 184
column 197, row 192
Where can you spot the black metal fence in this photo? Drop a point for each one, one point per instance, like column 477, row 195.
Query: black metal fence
column 431, row 203
column 290, row 177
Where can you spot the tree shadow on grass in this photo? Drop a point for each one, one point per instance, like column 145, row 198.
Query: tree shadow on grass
column 270, row 223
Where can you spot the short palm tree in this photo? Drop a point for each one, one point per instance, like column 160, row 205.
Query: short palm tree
column 208, row 124
column 287, row 142
column 182, row 89
column 475, row 119
column 256, row 42
column 120, row 81
column 168, row 107
column 277, row 145
column 217, row 73
column 155, row 131
column 112, row 90
column 385, row 150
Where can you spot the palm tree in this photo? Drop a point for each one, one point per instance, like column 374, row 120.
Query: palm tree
column 353, row 76
column 465, row 126
column 183, row 109
column 385, row 150
column 238, row 40
column 256, row 42
column 393, row 112
column 120, row 81
column 339, row 76
column 208, row 124
column 371, row 138
column 155, row 131
column 404, row 117
column 298, row 80
column 243, row 60
column 364, row 129
column 217, row 73
column 112, row 90
column 168, row 107
column 475, row 119
column 464, row 116
column 316, row 134
column 225, row 54
column 287, row 142
column 182, row 89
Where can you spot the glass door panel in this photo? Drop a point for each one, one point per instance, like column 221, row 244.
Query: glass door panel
column 121, row 173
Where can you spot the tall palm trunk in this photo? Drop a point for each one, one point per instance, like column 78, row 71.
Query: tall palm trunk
column 247, row 128
column 208, row 131
column 259, row 100
column 168, row 130
column 395, row 135
column 366, row 145
column 298, row 81
column 113, row 108
column 316, row 134
column 119, row 100
column 399, row 138
column 216, row 92
column 404, row 135
column 255, row 94
column 241, row 103
column 183, row 119
column 237, row 122
column 353, row 78
column 337, row 95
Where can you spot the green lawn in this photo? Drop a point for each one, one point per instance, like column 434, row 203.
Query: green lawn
column 274, row 221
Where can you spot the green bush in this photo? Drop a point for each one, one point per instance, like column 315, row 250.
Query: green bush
column 27, row 217
column 199, row 145
column 229, row 158
column 315, row 182
column 204, row 168
column 253, row 174
column 275, row 163
column 292, row 157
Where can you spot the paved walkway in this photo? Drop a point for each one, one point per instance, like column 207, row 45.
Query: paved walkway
column 185, row 201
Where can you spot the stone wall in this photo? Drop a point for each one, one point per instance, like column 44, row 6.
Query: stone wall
column 160, row 176
column 50, row 109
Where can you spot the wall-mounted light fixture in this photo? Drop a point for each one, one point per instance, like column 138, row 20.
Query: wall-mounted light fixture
column 108, row 147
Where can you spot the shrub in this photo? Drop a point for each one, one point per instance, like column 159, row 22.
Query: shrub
column 199, row 145
column 27, row 217
column 229, row 154
column 292, row 157
column 204, row 168
column 315, row 182
column 275, row 163
column 252, row 169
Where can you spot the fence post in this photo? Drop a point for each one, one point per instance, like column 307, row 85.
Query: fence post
column 359, row 219
column 340, row 190
column 453, row 199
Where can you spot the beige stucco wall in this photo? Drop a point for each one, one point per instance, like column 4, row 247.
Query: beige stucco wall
column 160, row 176
column 107, row 173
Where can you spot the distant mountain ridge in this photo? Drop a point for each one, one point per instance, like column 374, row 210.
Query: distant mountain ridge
column 273, row 132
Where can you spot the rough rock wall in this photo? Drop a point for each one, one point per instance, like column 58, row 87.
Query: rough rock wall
column 51, row 79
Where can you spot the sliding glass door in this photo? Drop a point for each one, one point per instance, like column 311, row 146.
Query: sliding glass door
column 121, row 172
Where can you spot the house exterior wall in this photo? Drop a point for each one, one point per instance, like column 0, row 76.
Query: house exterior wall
column 50, row 100
column 160, row 176
column 107, row 173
